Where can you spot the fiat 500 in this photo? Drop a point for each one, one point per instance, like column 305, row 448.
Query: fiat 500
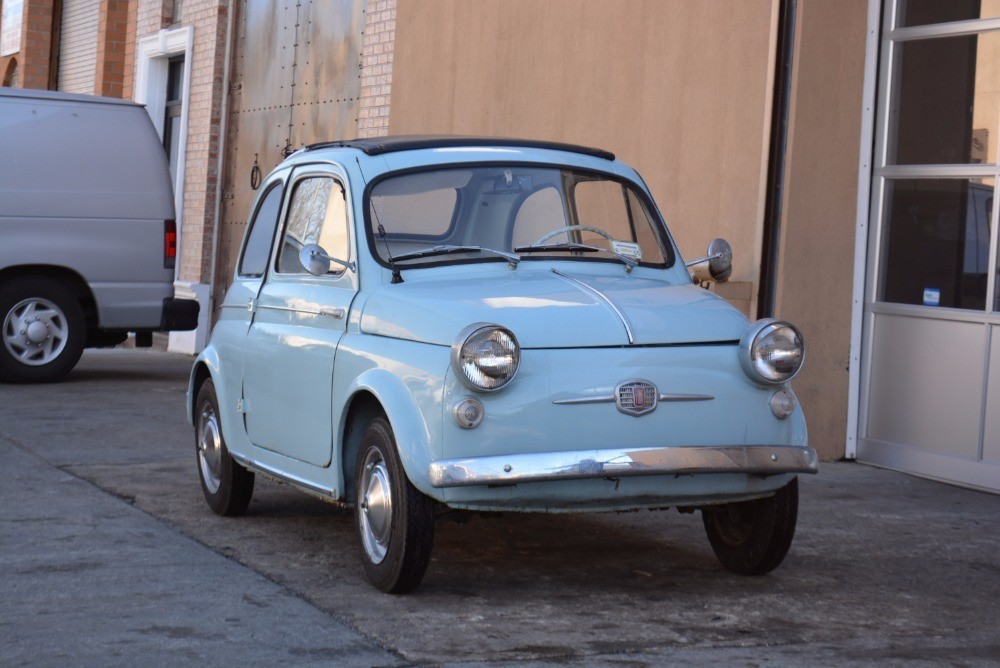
column 491, row 325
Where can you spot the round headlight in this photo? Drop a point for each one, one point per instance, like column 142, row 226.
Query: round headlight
column 772, row 351
column 485, row 357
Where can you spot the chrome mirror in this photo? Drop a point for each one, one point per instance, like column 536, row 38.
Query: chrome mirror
column 719, row 259
column 315, row 260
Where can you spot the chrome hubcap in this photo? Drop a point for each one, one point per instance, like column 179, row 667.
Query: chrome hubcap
column 210, row 448
column 35, row 331
column 375, row 502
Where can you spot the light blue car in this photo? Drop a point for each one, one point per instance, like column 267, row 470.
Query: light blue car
column 490, row 325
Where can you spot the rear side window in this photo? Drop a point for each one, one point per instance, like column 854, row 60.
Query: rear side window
column 253, row 264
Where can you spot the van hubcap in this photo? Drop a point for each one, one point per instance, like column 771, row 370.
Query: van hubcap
column 35, row 331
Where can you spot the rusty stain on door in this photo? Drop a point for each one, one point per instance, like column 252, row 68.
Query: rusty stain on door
column 295, row 79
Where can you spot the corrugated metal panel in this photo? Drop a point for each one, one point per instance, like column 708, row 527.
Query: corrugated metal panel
column 78, row 46
column 296, row 79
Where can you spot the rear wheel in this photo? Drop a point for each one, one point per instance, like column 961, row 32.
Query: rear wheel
column 395, row 522
column 227, row 486
column 42, row 329
column 753, row 537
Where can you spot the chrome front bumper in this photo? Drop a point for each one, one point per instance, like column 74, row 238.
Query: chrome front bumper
column 619, row 463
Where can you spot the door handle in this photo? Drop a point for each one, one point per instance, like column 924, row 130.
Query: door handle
column 337, row 313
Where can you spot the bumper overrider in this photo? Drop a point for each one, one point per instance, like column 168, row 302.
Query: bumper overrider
column 761, row 460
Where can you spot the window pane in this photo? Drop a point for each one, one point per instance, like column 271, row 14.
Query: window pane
column 538, row 215
column 317, row 215
column 175, row 77
column 925, row 12
column 506, row 207
column 258, row 245
column 937, row 242
column 428, row 213
column 946, row 101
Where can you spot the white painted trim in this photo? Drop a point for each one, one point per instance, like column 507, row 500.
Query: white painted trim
column 194, row 341
column 861, row 225
column 151, row 70
column 952, row 29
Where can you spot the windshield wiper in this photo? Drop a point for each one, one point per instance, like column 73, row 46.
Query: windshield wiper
column 449, row 249
column 572, row 246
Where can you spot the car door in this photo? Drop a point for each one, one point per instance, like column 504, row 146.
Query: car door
column 298, row 322
column 235, row 314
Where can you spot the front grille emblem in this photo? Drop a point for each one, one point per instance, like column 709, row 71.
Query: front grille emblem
column 636, row 397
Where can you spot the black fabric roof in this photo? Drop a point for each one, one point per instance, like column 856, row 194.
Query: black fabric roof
column 392, row 144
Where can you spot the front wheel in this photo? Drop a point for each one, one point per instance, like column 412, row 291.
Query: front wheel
column 395, row 522
column 753, row 537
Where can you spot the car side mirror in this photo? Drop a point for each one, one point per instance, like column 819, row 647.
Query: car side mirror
column 719, row 260
column 317, row 262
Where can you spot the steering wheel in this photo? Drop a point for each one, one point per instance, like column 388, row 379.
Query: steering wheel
column 568, row 228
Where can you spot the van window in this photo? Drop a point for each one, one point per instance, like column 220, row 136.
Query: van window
column 317, row 215
column 258, row 245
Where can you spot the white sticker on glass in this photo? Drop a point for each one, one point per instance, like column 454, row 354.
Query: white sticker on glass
column 627, row 248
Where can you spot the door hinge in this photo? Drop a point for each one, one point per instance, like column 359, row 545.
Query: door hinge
column 239, row 406
column 251, row 305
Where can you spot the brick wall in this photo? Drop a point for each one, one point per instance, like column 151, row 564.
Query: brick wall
column 112, row 33
column 210, row 20
column 376, row 68
column 34, row 59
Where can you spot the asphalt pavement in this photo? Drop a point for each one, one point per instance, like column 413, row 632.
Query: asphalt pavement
column 109, row 556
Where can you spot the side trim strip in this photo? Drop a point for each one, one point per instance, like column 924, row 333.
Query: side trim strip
column 286, row 478
column 603, row 297
column 610, row 399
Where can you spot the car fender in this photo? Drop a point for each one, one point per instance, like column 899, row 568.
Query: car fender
column 409, row 393
column 208, row 359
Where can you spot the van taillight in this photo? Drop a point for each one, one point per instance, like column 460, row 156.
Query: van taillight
column 169, row 243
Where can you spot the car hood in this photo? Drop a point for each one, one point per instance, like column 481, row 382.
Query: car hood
column 549, row 309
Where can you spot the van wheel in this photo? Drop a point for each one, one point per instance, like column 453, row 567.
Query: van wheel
column 395, row 522
column 42, row 329
column 753, row 537
column 227, row 486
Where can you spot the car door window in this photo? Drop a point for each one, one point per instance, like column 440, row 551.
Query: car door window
column 258, row 243
column 317, row 215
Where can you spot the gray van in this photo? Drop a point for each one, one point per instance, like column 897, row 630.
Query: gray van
column 87, row 231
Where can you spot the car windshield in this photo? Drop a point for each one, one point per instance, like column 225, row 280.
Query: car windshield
column 482, row 214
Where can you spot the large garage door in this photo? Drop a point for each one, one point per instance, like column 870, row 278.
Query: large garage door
column 296, row 79
column 78, row 46
column 931, row 391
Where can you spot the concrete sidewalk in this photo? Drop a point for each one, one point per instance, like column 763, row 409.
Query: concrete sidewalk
column 109, row 555
column 87, row 579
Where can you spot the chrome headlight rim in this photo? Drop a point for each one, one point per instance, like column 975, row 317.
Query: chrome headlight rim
column 456, row 356
column 756, row 331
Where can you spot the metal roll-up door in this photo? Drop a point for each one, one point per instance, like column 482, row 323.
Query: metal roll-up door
column 78, row 46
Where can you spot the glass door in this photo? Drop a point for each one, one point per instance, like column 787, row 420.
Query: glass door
column 930, row 400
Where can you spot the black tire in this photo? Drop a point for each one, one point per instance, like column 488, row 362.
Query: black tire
column 42, row 330
column 228, row 486
column 395, row 538
column 753, row 537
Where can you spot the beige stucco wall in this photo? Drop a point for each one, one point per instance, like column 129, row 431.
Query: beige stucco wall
column 816, row 254
column 679, row 89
